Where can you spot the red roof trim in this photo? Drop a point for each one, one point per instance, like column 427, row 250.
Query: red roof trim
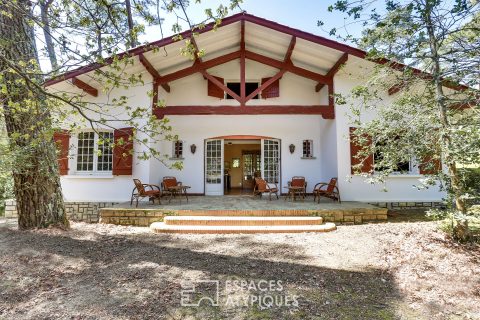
column 259, row 21
column 326, row 111
column 138, row 50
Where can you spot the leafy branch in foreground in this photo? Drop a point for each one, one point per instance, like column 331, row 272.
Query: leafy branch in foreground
column 425, row 95
column 76, row 33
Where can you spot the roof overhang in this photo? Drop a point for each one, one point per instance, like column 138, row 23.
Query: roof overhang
column 264, row 41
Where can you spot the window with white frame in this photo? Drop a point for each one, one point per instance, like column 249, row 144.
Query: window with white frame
column 177, row 152
column 307, row 149
column 94, row 152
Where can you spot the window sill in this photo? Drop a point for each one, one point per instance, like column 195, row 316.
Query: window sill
column 308, row 158
column 407, row 175
column 176, row 158
column 89, row 176
column 399, row 176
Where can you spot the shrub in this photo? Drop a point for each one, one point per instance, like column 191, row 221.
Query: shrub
column 471, row 182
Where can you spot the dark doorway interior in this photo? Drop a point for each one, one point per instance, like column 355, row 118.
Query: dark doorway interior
column 242, row 165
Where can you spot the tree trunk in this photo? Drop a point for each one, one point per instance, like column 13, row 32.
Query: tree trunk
column 44, row 7
column 131, row 39
column 461, row 230
column 28, row 121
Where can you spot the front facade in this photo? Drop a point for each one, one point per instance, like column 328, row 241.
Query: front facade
column 284, row 122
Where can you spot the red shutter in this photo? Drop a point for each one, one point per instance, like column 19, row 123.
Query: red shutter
column 272, row 91
column 123, row 152
column 62, row 140
column 430, row 166
column 367, row 166
column 213, row 90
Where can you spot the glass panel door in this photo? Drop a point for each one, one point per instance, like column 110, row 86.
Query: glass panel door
column 214, row 167
column 271, row 160
column 251, row 168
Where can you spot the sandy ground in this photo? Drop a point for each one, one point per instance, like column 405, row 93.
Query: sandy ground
column 373, row 271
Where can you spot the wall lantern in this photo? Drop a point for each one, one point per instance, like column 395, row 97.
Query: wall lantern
column 292, row 148
column 193, row 148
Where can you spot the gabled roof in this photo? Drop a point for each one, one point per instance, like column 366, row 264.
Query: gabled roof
column 312, row 54
column 259, row 38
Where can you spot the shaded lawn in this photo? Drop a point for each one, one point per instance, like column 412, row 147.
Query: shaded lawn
column 112, row 272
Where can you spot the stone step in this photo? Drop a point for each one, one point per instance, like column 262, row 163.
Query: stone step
column 248, row 212
column 241, row 221
column 161, row 227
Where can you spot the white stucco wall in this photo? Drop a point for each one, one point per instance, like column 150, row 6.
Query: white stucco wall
column 288, row 128
column 330, row 138
column 104, row 187
column 400, row 187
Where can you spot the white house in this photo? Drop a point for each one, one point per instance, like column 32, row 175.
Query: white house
column 258, row 103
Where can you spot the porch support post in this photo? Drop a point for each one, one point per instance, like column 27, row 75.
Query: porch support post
column 333, row 70
column 153, row 72
column 242, row 64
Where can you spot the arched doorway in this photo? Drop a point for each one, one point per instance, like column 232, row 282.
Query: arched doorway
column 233, row 161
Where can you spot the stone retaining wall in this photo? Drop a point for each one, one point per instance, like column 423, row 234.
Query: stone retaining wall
column 145, row 217
column 135, row 217
column 408, row 205
column 76, row 211
column 352, row 216
column 90, row 212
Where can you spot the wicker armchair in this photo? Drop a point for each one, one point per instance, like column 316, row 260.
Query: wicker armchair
column 167, row 184
column 140, row 192
column 328, row 190
column 261, row 187
column 298, row 181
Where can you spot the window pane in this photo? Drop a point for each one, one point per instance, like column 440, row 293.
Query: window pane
column 214, row 162
column 307, row 149
column 249, row 88
column 86, row 145
column 105, row 151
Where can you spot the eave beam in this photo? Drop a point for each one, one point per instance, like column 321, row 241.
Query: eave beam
column 198, row 67
column 287, row 61
column 288, row 66
column 331, row 73
column 85, row 87
column 153, row 72
column 395, row 88
column 323, row 110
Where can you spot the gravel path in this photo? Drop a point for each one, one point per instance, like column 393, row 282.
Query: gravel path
column 372, row 271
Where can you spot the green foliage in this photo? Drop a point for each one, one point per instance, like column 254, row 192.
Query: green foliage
column 471, row 181
column 450, row 219
column 429, row 66
column 6, row 182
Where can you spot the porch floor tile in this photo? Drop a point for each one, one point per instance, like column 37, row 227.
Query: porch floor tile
column 246, row 202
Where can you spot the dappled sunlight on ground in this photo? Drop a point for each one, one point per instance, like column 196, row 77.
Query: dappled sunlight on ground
column 374, row 271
